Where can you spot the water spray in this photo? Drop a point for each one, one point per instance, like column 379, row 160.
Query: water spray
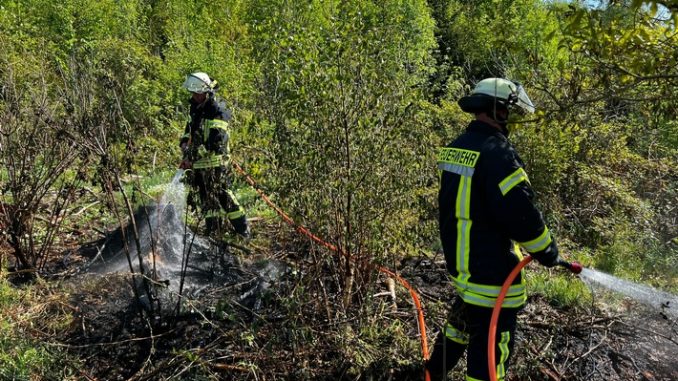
column 574, row 267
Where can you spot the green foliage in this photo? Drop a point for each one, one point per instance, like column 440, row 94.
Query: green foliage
column 342, row 82
column 339, row 107
column 35, row 155
column 21, row 357
column 494, row 38
column 23, row 362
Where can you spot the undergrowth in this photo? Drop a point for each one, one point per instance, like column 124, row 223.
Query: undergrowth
column 25, row 315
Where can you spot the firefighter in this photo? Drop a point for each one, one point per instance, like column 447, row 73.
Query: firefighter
column 486, row 215
column 206, row 152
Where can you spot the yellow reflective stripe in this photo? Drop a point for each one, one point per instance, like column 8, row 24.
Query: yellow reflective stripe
column 233, row 198
column 538, row 244
column 516, row 249
column 504, row 354
column 456, row 335
column 469, row 378
column 486, row 295
column 458, row 169
column 235, row 215
column 213, row 123
column 186, row 135
column 205, row 165
column 457, row 156
column 487, row 301
column 209, row 161
column 222, row 213
column 464, row 198
column 463, row 214
column 490, row 290
column 218, row 123
column 512, row 180
column 215, row 213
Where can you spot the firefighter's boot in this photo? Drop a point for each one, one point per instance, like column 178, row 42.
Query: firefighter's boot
column 213, row 226
column 241, row 226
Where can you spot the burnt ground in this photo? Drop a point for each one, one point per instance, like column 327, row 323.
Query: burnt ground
column 275, row 313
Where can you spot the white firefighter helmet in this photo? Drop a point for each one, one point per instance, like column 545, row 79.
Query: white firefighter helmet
column 199, row 83
column 492, row 92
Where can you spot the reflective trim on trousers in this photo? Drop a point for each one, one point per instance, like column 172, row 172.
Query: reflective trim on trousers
column 503, row 354
column 233, row 198
column 456, row 335
column 235, row 215
column 217, row 213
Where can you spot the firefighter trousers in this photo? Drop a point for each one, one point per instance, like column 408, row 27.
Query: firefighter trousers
column 218, row 201
column 467, row 330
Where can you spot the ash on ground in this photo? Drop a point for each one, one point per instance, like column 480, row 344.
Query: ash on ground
column 167, row 261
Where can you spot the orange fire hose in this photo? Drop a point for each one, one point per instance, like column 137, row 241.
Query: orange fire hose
column 575, row 267
column 303, row 230
column 491, row 340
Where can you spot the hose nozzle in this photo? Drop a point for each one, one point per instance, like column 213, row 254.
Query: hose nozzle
column 575, row 267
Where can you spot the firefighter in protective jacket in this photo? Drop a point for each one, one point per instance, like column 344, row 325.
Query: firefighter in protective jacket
column 206, row 152
column 486, row 216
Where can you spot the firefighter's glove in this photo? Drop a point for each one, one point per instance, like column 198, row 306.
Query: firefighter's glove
column 548, row 257
column 185, row 164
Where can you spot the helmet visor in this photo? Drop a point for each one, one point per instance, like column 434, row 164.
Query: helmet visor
column 523, row 101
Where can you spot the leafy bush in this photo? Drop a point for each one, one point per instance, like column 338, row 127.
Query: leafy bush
column 342, row 83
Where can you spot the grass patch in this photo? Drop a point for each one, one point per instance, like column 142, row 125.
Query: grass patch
column 23, row 356
column 561, row 289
